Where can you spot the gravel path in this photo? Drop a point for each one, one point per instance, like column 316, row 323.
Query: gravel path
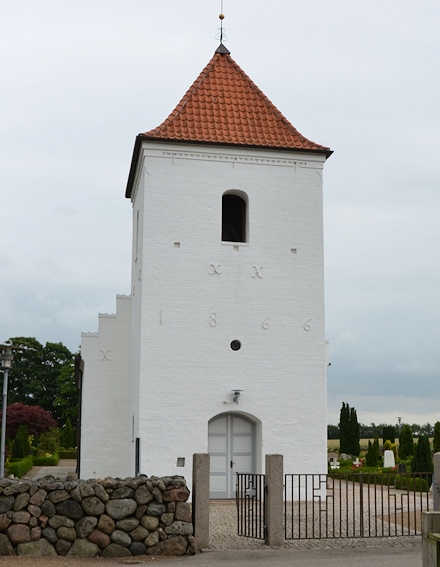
column 65, row 467
column 223, row 534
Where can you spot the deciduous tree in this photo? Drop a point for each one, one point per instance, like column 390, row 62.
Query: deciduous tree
column 66, row 400
column 35, row 377
column 332, row 432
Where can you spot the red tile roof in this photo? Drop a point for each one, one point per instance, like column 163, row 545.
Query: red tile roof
column 224, row 106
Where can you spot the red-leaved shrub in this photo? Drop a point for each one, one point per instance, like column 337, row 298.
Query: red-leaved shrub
column 37, row 419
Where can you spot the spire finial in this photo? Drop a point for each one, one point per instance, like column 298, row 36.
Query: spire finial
column 221, row 17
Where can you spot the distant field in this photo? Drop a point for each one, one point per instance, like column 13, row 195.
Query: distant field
column 333, row 444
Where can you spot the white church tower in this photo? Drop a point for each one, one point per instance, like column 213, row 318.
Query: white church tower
column 220, row 346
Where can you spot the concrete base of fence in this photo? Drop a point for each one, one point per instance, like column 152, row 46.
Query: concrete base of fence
column 200, row 498
column 430, row 539
column 274, row 500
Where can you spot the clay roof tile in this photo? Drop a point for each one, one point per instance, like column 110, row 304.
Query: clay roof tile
column 224, row 106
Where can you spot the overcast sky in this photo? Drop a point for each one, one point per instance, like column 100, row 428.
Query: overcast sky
column 80, row 79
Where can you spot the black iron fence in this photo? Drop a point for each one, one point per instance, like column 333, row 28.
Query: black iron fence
column 250, row 499
column 355, row 504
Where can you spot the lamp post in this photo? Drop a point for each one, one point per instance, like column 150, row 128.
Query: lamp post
column 7, row 358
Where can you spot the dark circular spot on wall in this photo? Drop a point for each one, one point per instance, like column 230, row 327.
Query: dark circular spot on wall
column 236, row 345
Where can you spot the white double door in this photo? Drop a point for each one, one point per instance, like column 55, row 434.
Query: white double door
column 231, row 441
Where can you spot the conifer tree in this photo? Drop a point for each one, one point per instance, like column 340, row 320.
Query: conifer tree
column 389, row 433
column 349, row 431
column 354, row 434
column 422, row 460
column 369, row 460
column 21, row 446
column 344, row 429
column 372, row 456
column 406, row 442
column 437, row 437
column 376, row 448
column 68, row 440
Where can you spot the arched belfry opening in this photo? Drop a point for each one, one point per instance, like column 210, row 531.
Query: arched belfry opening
column 235, row 217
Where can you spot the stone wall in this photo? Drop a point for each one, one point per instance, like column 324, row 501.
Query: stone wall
column 108, row 517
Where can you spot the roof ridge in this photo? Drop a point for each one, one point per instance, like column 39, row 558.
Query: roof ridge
column 267, row 101
column 186, row 97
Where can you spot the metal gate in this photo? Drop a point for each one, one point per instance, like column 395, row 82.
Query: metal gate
column 355, row 504
column 250, row 499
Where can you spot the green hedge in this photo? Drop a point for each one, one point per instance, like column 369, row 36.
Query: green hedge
column 43, row 461
column 405, row 481
column 21, row 467
column 68, row 454
column 412, row 483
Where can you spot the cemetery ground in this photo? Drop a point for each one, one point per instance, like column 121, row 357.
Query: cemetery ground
column 229, row 549
column 333, row 444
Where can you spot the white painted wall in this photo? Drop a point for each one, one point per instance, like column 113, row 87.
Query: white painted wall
column 185, row 365
column 107, row 448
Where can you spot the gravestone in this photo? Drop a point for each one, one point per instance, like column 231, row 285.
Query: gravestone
column 333, row 460
column 345, row 457
column 388, row 459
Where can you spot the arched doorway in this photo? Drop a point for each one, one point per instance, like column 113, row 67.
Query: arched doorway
column 231, row 444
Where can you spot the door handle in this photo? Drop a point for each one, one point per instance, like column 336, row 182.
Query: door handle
column 232, row 464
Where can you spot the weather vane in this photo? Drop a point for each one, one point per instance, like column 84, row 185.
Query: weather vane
column 221, row 17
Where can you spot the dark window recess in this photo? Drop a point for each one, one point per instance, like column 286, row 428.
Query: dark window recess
column 233, row 218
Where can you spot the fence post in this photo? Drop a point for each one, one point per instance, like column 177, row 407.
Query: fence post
column 200, row 498
column 430, row 525
column 274, row 500
column 436, row 482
